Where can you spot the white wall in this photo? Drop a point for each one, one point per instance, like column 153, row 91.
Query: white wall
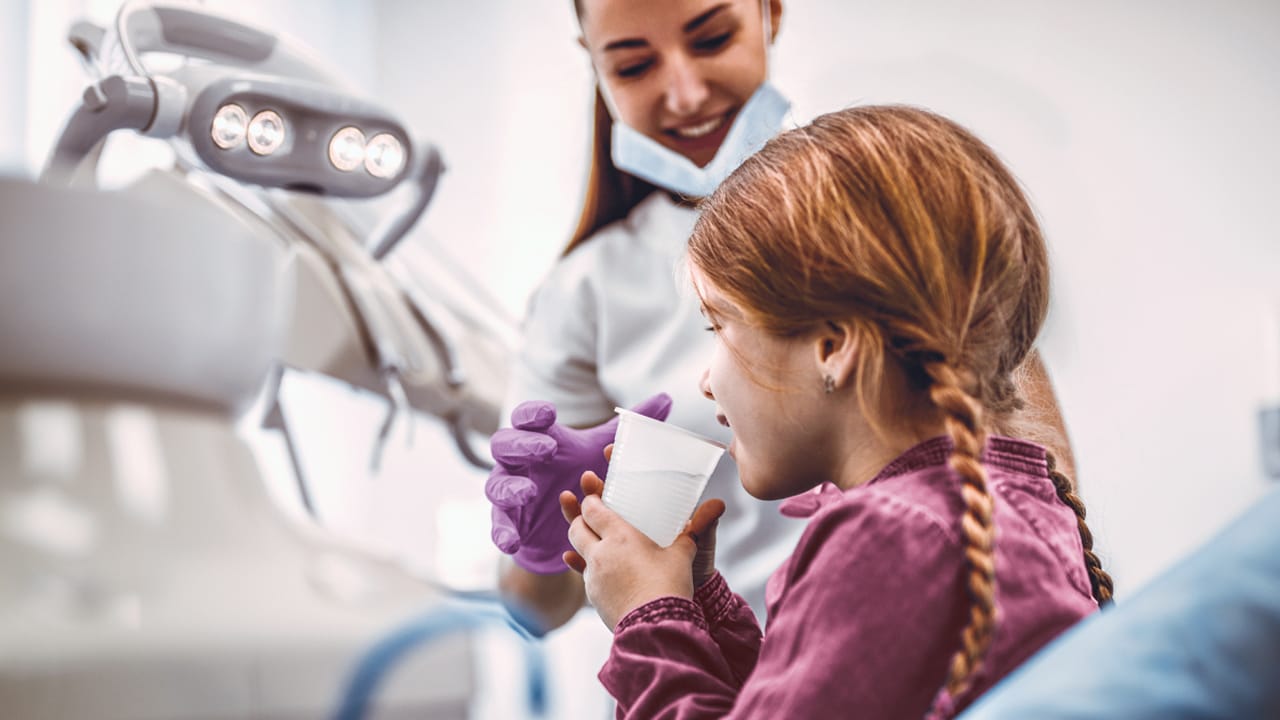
column 1144, row 130
column 504, row 90
column 13, row 84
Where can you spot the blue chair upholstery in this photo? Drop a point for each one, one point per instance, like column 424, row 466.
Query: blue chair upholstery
column 1201, row 641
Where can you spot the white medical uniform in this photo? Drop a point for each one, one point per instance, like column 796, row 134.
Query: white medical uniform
column 617, row 321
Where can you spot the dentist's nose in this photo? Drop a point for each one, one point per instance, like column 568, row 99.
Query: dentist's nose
column 686, row 87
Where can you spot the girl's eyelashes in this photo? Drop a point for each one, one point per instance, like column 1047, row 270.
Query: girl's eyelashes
column 712, row 326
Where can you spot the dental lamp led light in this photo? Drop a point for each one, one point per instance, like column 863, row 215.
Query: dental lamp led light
column 346, row 149
column 384, row 156
column 230, row 124
column 266, row 132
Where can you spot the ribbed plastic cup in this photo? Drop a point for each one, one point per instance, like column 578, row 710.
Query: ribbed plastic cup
column 657, row 473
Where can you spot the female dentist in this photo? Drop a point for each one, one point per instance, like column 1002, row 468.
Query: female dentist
column 682, row 98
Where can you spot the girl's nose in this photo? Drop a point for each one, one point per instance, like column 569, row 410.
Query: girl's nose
column 704, row 384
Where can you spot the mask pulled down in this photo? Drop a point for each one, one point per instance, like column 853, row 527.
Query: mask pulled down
column 759, row 120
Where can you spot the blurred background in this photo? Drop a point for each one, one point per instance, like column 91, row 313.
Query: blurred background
column 1144, row 132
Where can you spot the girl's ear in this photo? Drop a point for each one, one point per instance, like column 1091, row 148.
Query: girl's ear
column 775, row 18
column 836, row 352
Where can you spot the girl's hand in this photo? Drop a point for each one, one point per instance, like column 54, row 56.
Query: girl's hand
column 622, row 568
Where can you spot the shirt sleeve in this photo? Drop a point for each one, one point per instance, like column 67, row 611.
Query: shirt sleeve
column 557, row 360
column 732, row 626
column 665, row 664
column 865, row 627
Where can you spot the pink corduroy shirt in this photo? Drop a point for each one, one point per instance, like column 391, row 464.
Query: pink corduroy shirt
column 867, row 612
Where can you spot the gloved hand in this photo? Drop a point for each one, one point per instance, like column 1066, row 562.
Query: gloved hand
column 536, row 460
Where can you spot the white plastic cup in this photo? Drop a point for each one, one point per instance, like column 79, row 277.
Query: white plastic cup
column 657, row 473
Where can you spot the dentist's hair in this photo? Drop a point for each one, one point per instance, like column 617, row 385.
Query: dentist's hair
column 909, row 227
column 610, row 193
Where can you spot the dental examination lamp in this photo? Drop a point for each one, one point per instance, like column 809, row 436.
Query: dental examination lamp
column 279, row 122
column 252, row 108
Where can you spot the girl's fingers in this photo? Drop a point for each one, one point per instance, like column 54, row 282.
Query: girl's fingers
column 569, row 506
column 592, row 484
column 582, row 538
column 575, row 561
column 599, row 518
column 705, row 516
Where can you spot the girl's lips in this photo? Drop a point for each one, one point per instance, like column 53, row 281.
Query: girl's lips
column 720, row 418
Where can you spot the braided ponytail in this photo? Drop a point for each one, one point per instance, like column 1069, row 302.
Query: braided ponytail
column 1099, row 580
column 963, row 417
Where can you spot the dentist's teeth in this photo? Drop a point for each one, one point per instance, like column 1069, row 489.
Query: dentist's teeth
column 697, row 131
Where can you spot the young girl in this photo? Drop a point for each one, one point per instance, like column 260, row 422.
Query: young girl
column 874, row 280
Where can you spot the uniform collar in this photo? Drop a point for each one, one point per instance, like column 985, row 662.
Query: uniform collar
column 662, row 223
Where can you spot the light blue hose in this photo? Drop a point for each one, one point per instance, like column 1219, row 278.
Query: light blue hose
column 433, row 625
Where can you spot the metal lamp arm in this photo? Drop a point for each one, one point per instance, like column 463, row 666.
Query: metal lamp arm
column 116, row 103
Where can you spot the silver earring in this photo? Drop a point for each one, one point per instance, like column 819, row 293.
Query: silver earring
column 828, row 384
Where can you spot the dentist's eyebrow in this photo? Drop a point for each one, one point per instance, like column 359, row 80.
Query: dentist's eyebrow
column 699, row 21
column 626, row 44
column 694, row 24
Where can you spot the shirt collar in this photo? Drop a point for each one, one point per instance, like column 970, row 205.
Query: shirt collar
column 1001, row 452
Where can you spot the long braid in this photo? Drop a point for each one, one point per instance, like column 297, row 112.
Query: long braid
column 1099, row 580
column 963, row 417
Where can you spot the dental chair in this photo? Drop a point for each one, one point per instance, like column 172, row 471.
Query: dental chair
column 147, row 571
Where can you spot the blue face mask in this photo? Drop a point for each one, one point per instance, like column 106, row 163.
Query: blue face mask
column 758, row 121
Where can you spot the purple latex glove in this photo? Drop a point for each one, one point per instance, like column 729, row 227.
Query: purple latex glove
column 537, row 460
